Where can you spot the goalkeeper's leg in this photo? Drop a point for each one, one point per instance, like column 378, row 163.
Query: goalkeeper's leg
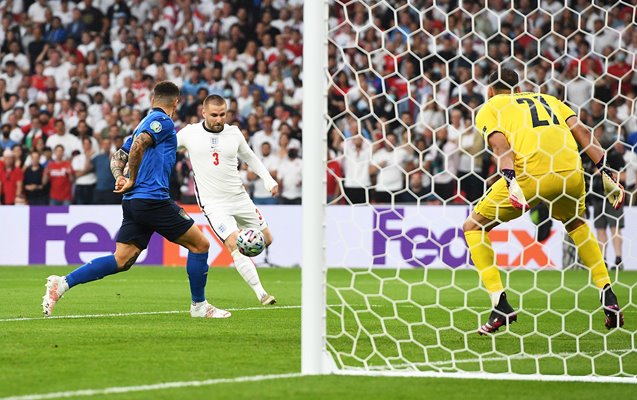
column 476, row 231
column 591, row 255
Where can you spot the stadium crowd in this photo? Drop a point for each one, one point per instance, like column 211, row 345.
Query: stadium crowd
column 407, row 82
column 76, row 78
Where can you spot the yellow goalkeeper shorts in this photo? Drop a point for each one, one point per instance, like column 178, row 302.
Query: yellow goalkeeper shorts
column 563, row 192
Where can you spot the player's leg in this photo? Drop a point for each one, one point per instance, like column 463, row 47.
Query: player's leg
column 248, row 216
column 569, row 208
column 493, row 209
column 172, row 222
column 131, row 240
column 602, row 238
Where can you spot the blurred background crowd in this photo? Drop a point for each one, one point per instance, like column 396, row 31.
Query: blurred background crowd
column 406, row 80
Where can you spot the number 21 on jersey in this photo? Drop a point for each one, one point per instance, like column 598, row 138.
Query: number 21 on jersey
column 535, row 119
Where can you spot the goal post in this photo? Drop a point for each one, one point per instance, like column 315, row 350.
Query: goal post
column 391, row 89
column 313, row 261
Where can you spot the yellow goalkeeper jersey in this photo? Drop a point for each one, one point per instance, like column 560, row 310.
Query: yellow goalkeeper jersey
column 535, row 127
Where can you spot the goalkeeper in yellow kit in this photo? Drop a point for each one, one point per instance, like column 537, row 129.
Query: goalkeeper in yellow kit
column 534, row 137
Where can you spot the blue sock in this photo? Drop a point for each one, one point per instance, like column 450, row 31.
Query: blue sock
column 197, row 269
column 93, row 270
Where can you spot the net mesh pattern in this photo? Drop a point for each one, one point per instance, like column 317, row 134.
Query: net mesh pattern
column 406, row 166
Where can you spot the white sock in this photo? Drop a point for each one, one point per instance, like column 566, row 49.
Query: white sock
column 64, row 287
column 495, row 297
column 248, row 272
column 197, row 304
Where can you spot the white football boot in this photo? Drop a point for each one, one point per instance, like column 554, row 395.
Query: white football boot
column 207, row 310
column 56, row 286
column 268, row 300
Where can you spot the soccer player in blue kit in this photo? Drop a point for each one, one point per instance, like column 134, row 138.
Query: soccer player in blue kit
column 147, row 208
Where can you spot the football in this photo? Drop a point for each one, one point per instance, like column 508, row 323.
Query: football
column 250, row 242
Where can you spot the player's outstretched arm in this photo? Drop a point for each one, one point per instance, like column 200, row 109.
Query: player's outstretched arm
column 247, row 155
column 504, row 154
column 613, row 190
column 143, row 141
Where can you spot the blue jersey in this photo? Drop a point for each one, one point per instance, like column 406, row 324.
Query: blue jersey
column 159, row 159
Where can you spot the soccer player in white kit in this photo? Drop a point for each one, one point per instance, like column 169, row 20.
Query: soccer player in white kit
column 214, row 149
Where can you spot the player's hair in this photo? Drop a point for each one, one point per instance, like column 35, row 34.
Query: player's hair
column 165, row 92
column 214, row 99
column 504, row 80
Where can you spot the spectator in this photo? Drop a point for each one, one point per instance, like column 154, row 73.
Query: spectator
column 630, row 160
column 69, row 142
column 105, row 182
column 11, row 179
column 388, row 164
column 21, row 61
column 442, row 161
column 471, row 146
column 34, row 188
column 334, row 178
column 604, row 215
column 37, row 11
column 92, row 17
column 5, row 142
column 12, row 77
column 57, row 33
column 119, row 9
column 267, row 134
column 193, row 83
column 289, row 176
column 59, row 174
column 83, row 170
column 357, row 159
column 19, row 156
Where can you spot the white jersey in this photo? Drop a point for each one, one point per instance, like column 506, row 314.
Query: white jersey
column 214, row 159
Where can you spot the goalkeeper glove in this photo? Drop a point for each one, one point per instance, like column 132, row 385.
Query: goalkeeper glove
column 516, row 195
column 613, row 190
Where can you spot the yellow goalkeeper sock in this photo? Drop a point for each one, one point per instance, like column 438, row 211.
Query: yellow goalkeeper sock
column 484, row 259
column 591, row 255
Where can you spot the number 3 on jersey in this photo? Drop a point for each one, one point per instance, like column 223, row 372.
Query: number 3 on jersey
column 215, row 158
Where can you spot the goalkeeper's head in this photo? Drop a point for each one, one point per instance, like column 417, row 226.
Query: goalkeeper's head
column 504, row 81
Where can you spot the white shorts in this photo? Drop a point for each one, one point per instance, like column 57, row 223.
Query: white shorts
column 226, row 219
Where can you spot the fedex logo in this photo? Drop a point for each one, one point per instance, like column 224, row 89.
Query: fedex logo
column 79, row 243
column 422, row 246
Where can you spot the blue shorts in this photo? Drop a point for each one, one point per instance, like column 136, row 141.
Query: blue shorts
column 142, row 217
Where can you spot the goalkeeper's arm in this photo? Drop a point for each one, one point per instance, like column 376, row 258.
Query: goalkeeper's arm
column 504, row 155
column 613, row 190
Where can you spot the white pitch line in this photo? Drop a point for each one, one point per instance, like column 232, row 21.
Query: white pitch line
column 80, row 316
column 144, row 388
column 138, row 313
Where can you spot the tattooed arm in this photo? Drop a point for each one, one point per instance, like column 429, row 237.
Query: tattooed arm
column 143, row 141
column 118, row 162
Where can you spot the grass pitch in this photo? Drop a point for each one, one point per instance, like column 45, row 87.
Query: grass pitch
column 140, row 333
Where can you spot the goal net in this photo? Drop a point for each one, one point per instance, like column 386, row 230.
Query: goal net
column 405, row 166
